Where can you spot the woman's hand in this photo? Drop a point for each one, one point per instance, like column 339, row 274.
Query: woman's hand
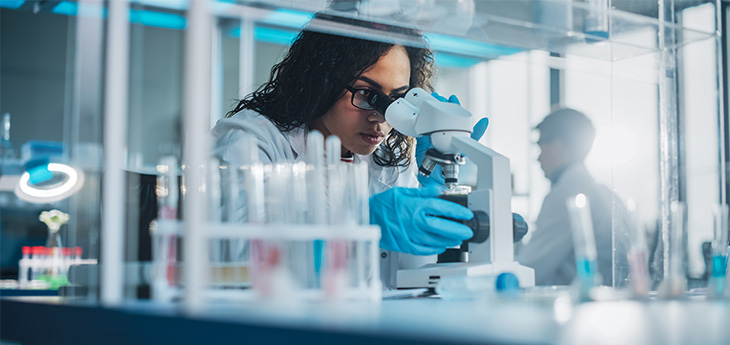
column 411, row 220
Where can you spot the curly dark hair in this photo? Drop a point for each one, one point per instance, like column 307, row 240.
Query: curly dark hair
column 312, row 75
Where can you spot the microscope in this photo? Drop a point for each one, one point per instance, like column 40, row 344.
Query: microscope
column 490, row 251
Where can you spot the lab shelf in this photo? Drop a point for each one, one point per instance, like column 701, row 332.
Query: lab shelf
column 487, row 30
column 490, row 28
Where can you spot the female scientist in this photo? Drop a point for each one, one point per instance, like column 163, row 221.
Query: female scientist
column 322, row 84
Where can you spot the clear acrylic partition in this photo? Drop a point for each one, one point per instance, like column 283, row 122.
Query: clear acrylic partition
column 51, row 80
column 647, row 76
column 631, row 67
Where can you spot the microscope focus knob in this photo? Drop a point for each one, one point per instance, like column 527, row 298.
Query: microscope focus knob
column 480, row 226
column 520, row 227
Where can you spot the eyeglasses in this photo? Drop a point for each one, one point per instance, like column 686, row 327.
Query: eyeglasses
column 360, row 97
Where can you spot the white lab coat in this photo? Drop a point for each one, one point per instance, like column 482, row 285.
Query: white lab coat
column 550, row 250
column 278, row 146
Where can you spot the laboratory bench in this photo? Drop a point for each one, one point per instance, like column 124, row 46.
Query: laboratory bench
column 422, row 320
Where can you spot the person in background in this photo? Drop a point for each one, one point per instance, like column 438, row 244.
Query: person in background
column 322, row 84
column 566, row 138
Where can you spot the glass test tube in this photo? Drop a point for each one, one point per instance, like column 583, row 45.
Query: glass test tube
column 361, row 270
column 317, row 199
column 587, row 275
column 233, row 212
column 165, row 253
column 674, row 283
column 299, row 250
column 336, row 254
column 638, row 254
column 23, row 267
column 717, row 280
column 335, row 180
column 255, row 177
column 212, row 192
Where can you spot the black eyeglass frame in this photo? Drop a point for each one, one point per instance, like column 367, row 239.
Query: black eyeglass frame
column 375, row 99
column 353, row 91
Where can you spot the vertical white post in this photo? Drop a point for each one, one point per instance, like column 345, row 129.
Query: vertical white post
column 247, row 57
column 196, row 120
column 216, row 72
column 720, row 100
column 115, row 137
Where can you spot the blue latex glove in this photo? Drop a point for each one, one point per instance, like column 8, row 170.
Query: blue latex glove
column 423, row 144
column 408, row 218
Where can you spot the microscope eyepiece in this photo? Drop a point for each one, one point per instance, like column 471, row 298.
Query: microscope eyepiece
column 379, row 101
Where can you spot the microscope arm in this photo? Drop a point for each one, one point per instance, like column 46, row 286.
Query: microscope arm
column 493, row 195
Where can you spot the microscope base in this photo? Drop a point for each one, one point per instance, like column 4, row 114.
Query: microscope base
column 428, row 276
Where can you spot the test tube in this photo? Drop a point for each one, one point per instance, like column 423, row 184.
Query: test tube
column 587, row 275
column 298, row 199
column 596, row 19
column 253, row 182
column 637, row 254
column 362, row 193
column 315, row 154
column 717, row 280
column 213, row 189
column 232, row 193
column 335, row 276
column 317, row 198
column 23, row 266
column 674, row 283
column 165, row 244
column 276, row 192
column 234, row 212
column 359, row 266
column 167, row 188
column 300, row 250
column 335, row 180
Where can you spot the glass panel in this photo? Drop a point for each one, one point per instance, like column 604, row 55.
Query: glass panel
column 51, row 89
column 639, row 70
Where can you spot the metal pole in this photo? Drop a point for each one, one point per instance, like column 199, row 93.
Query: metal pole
column 115, row 137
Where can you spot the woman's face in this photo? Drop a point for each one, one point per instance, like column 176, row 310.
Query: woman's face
column 361, row 131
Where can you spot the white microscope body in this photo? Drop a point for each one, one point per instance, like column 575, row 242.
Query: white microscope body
column 449, row 126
